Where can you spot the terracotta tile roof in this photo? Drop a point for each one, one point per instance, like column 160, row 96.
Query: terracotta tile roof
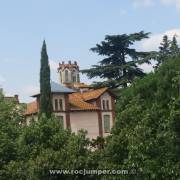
column 93, row 94
column 81, row 85
column 31, row 108
column 79, row 99
column 76, row 100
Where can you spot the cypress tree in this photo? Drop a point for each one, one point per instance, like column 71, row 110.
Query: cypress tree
column 45, row 86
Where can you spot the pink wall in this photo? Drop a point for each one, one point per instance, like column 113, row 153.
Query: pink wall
column 85, row 120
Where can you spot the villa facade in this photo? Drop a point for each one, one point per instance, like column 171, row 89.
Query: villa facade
column 77, row 105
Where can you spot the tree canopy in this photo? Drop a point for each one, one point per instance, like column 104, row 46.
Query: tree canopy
column 30, row 152
column 120, row 65
column 146, row 135
column 167, row 49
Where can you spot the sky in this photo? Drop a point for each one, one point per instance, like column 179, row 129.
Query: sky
column 71, row 28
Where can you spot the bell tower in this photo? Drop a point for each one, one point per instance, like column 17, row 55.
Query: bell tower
column 68, row 73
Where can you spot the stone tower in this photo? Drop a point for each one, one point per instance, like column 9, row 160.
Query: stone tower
column 68, row 73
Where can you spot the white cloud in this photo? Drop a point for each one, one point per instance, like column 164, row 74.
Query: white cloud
column 154, row 41
column 53, row 65
column 30, row 89
column 142, row 3
column 147, row 3
column 147, row 68
column 172, row 2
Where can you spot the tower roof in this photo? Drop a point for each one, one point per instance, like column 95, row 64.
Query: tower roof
column 57, row 88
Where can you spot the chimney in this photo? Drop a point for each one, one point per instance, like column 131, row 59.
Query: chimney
column 69, row 62
column 17, row 98
column 75, row 62
column 62, row 62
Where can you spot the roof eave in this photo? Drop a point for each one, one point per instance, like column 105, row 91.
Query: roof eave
column 54, row 92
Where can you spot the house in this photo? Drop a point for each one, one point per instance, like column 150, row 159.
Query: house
column 78, row 105
column 10, row 99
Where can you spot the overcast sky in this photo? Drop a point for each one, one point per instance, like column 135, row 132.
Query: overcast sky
column 71, row 28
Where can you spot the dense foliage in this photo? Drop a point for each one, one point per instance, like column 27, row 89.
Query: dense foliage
column 145, row 138
column 45, row 87
column 10, row 129
column 146, row 135
column 120, row 64
column 167, row 49
column 30, row 152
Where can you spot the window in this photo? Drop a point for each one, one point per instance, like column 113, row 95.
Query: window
column 60, row 104
column 106, row 123
column 74, row 76
column 107, row 104
column 56, row 104
column 61, row 119
column 103, row 102
column 66, row 76
column 78, row 78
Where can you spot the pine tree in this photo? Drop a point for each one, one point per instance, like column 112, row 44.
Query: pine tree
column 119, row 67
column 45, row 87
column 164, row 50
column 174, row 48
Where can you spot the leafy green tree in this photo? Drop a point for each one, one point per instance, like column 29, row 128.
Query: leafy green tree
column 30, row 152
column 10, row 129
column 45, row 145
column 45, row 87
column 146, row 133
column 119, row 67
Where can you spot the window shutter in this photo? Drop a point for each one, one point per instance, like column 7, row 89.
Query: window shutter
column 106, row 123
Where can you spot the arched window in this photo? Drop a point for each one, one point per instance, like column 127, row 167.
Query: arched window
column 103, row 103
column 73, row 76
column 56, row 104
column 66, row 76
column 60, row 104
column 78, row 78
column 107, row 104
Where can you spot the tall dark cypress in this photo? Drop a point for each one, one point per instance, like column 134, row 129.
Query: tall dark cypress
column 45, row 86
